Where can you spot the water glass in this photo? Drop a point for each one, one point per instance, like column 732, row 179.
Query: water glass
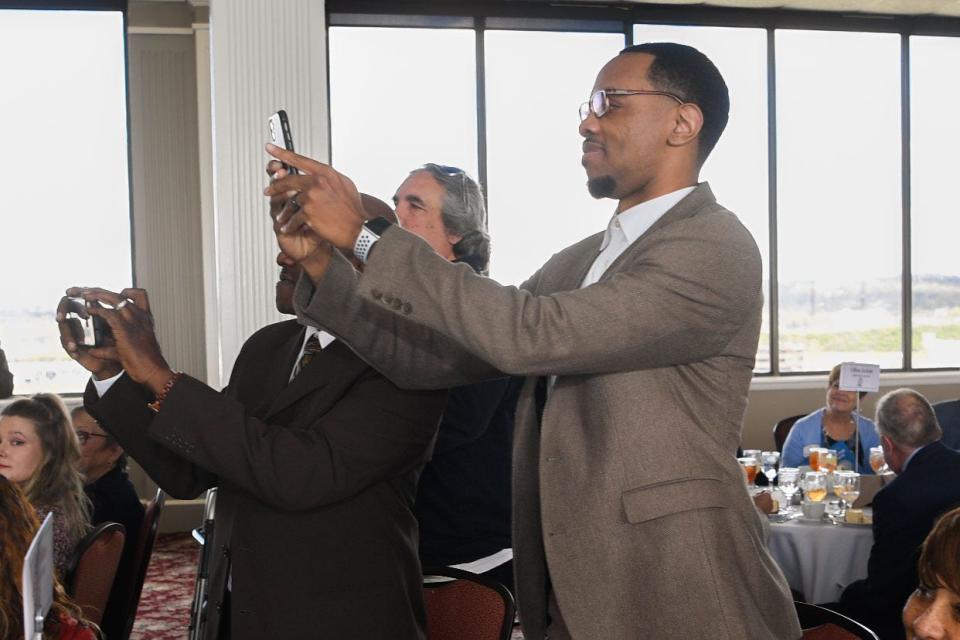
column 848, row 488
column 828, row 460
column 814, row 486
column 769, row 461
column 788, row 485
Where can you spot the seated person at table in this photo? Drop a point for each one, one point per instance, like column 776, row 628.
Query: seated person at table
column 18, row 525
column 932, row 610
column 113, row 499
column 927, row 484
column 832, row 427
column 948, row 415
column 39, row 452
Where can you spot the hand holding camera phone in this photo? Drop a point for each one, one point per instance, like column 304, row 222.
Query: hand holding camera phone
column 89, row 330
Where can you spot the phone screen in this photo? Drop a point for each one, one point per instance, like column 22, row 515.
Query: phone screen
column 280, row 135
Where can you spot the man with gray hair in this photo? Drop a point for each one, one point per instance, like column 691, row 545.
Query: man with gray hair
column 904, row 511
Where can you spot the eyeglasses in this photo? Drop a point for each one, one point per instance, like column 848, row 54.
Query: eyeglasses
column 599, row 102
column 457, row 171
column 83, row 436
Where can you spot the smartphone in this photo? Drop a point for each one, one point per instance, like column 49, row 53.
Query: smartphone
column 280, row 135
column 90, row 331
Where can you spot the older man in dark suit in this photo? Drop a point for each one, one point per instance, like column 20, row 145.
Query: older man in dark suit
column 927, row 484
column 630, row 515
column 316, row 456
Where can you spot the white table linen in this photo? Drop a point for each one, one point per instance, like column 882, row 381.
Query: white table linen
column 820, row 560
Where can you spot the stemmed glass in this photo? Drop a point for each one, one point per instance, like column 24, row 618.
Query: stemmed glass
column 848, row 488
column 788, row 485
column 814, row 486
column 769, row 460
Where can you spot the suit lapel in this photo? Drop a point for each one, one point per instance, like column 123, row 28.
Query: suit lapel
column 334, row 361
column 276, row 358
column 690, row 205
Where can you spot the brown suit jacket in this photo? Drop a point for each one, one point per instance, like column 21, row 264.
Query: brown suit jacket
column 316, row 486
column 626, row 492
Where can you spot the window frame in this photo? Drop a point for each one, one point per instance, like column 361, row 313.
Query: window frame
column 621, row 18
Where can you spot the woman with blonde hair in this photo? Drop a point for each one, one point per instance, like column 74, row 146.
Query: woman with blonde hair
column 40, row 453
column 18, row 525
column 933, row 610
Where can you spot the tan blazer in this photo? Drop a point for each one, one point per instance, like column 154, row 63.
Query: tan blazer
column 627, row 492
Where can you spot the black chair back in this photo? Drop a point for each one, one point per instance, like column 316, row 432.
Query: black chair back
column 781, row 429
column 141, row 560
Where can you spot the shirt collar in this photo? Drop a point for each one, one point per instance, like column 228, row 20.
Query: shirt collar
column 324, row 337
column 635, row 221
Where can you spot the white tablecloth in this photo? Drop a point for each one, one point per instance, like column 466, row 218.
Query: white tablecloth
column 819, row 560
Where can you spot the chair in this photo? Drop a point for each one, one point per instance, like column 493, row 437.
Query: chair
column 466, row 607
column 823, row 624
column 782, row 428
column 92, row 568
column 141, row 560
column 948, row 415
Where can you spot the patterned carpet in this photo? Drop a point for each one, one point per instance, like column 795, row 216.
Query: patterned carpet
column 164, row 611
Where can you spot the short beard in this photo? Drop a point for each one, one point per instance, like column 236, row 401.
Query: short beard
column 602, row 187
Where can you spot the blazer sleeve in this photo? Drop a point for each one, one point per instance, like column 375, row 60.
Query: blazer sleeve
column 680, row 300
column 123, row 413
column 372, row 433
column 411, row 355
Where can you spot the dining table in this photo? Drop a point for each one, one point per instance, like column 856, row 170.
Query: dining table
column 819, row 558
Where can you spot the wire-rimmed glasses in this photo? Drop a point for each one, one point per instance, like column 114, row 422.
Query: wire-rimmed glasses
column 83, row 436
column 457, row 171
column 599, row 102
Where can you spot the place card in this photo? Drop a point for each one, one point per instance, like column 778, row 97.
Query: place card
column 857, row 376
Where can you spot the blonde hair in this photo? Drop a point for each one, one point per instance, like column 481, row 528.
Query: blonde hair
column 57, row 482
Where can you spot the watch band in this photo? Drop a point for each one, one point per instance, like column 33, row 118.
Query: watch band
column 370, row 232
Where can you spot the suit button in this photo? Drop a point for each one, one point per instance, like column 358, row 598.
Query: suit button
column 396, row 303
column 407, row 308
column 387, row 298
column 376, row 293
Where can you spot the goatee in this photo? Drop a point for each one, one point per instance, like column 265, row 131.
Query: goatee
column 602, row 187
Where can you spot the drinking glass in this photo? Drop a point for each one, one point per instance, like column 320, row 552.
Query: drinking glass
column 815, row 458
column 788, row 485
column 848, row 488
column 828, row 460
column 750, row 467
column 877, row 462
column 769, row 460
column 814, row 486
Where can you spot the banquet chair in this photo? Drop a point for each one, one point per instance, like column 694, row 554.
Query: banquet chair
column 819, row 623
column 782, row 428
column 141, row 560
column 466, row 606
column 92, row 568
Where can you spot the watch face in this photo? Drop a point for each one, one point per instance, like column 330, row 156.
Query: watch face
column 378, row 225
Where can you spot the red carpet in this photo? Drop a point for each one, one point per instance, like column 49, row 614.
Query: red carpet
column 164, row 612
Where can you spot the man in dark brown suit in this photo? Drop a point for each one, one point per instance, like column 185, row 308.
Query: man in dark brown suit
column 630, row 516
column 316, row 463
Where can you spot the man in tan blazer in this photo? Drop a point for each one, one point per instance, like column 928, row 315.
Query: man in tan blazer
column 631, row 518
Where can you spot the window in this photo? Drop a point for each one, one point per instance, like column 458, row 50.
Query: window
column 850, row 204
column 67, row 221
column 934, row 215
column 400, row 98
column 839, row 205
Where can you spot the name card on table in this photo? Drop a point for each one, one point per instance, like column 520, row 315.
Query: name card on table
column 856, row 376
column 38, row 579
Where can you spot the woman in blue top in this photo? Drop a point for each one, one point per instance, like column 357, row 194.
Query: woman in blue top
column 833, row 427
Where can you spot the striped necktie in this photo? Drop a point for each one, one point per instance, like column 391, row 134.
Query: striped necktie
column 310, row 349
